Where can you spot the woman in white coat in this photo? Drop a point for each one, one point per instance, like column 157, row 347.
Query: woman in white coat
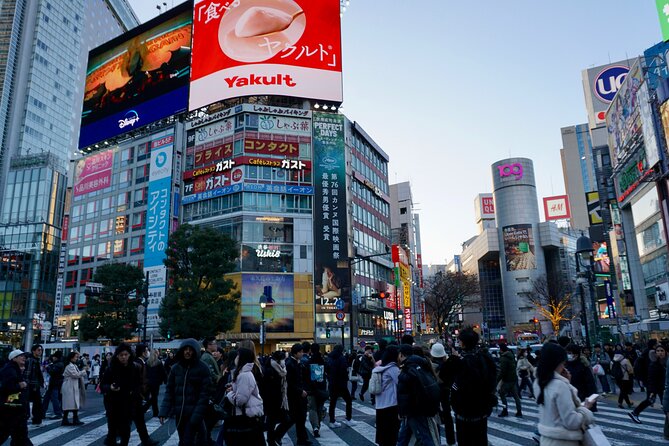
column 562, row 417
column 73, row 390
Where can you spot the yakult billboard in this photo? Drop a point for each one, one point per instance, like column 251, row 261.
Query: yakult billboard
column 265, row 47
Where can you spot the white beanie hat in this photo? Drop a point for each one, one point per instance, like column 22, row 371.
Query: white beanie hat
column 15, row 353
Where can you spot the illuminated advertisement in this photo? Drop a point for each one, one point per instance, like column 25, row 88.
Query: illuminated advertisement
column 556, row 208
column 138, row 78
column 93, row 173
column 594, row 207
column 158, row 222
column 633, row 173
column 265, row 47
column 519, row 247
column 600, row 85
column 278, row 290
column 623, row 116
column 284, row 125
column 602, row 264
column 331, row 268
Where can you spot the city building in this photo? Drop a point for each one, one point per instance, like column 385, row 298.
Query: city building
column 43, row 45
column 578, row 170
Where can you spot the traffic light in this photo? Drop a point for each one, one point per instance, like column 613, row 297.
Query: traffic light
column 380, row 295
column 535, row 320
column 169, row 334
column 327, row 332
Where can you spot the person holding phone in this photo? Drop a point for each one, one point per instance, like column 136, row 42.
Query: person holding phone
column 562, row 416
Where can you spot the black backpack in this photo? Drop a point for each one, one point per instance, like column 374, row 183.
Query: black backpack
column 472, row 391
column 617, row 370
column 641, row 367
column 425, row 388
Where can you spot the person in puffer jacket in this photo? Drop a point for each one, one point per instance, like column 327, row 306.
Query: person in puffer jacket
column 245, row 397
column 187, row 394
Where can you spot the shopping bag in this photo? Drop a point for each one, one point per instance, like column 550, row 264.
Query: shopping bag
column 593, row 436
column 598, row 370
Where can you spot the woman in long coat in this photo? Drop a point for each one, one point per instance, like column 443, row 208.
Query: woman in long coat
column 73, row 390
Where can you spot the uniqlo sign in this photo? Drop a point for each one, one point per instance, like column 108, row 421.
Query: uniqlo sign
column 265, row 47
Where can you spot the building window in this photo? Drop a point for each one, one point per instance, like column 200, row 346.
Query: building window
column 137, row 245
column 86, row 276
column 71, row 278
column 138, row 220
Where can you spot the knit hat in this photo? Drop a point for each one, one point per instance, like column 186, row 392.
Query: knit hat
column 15, row 353
column 437, row 350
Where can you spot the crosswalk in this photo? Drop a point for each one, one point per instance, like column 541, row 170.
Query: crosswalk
column 615, row 423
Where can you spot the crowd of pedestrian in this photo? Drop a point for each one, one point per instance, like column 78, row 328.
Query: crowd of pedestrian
column 417, row 391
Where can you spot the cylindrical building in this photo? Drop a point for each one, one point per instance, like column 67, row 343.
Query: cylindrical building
column 521, row 255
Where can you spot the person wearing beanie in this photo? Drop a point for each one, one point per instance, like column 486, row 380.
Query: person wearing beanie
column 562, row 416
column 13, row 420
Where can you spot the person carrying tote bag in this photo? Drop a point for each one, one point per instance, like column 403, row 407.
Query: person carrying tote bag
column 245, row 426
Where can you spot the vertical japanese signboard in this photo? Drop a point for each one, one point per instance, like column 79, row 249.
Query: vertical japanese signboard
column 265, row 47
column 93, row 173
column 331, row 268
column 158, row 222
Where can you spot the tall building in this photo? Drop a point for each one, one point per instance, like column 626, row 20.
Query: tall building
column 43, row 45
column 578, row 168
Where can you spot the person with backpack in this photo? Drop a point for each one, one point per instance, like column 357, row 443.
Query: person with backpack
column 418, row 397
column 297, row 397
column 508, row 381
column 654, row 382
column 383, row 385
column 318, row 392
column 472, row 376
column 622, row 372
column 337, row 375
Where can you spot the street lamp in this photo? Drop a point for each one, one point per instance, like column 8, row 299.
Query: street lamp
column 584, row 261
column 263, row 303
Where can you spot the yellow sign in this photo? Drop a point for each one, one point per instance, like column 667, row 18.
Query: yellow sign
column 404, row 272
column 407, row 294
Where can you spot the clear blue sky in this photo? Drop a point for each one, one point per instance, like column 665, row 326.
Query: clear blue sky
column 447, row 87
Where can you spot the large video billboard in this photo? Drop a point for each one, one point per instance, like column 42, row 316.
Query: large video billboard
column 265, row 47
column 279, row 293
column 137, row 78
column 623, row 118
column 519, row 247
column 331, row 270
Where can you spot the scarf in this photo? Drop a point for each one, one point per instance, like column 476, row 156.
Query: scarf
column 280, row 368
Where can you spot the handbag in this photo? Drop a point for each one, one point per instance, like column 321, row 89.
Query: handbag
column 593, row 436
column 598, row 370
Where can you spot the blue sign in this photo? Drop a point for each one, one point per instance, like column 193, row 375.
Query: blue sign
column 609, row 81
column 656, row 63
column 267, row 188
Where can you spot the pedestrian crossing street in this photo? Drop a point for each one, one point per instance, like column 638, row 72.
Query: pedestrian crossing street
column 615, row 423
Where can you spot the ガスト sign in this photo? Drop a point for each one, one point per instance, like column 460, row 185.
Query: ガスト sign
column 265, row 47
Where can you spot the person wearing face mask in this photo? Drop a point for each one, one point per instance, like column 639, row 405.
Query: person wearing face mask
column 581, row 375
column 657, row 371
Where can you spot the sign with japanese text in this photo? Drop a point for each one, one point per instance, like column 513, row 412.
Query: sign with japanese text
column 268, row 147
column 519, row 247
column 138, row 78
column 265, row 47
column 331, row 262
column 158, row 222
column 93, row 173
column 634, row 171
column 408, row 325
column 284, row 125
column 557, row 207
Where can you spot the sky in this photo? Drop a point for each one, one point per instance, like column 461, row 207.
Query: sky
column 447, row 87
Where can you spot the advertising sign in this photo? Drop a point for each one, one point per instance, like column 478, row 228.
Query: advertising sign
column 663, row 15
column 265, row 47
column 484, row 207
column 600, row 85
column 137, row 78
column 331, row 263
column 158, row 222
column 519, row 247
column 623, row 117
column 650, row 137
column 661, row 295
column 278, row 290
column 284, row 125
column 631, row 175
column 557, row 207
column 664, row 113
column 656, row 64
column 602, row 263
column 594, row 207
column 93, row 173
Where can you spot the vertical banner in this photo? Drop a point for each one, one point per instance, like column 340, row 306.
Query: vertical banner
column 332, row 285
column 158, row 223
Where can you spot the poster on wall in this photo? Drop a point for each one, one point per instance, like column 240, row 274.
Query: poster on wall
column 278, row 290
column 265, row 47
column 93, row 173
column 137, row 78
column 331, row 268
column 601, row 261
column 519, row 247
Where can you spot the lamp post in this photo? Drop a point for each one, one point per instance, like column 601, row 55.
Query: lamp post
column 263, row 303
column 584, row 261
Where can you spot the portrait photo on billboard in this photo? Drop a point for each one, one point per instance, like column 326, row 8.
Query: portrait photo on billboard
column 333, row 291
column 519, row 247
column 600, row 258
column 279, row 293
column 266, row 47
column 148, row 65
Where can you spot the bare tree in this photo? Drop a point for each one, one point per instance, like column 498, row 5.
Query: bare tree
column 552, row 299
column 447, row 294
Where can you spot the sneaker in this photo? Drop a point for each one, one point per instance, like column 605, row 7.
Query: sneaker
column 334, row 425
column 634, row 417
column 316, row 433
column 349, row 423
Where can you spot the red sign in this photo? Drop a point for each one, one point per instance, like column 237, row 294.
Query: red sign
column 487, row 207
column 208, row 155
column 239, row 161
column 419, row 265
column 93, row 173
column 557, row 208
column 65, row 230
column 408, row 326
column 265, row 47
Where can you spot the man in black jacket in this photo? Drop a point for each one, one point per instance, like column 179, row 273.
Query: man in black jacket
column 297, row 397
column 187, row 394
column 337, row 374
column 55, row 370
column 35, row 379
column 139, row 408
column 13, row 421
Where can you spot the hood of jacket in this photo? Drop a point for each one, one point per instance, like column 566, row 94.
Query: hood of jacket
column 618, row 357
column 383, row 368
column 415, row 360
column 335, row 354
column 192, row 343
column 247, row 368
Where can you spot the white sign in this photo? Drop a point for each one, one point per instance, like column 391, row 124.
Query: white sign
column 265, row 251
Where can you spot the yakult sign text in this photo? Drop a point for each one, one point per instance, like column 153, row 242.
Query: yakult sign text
column 265, row 47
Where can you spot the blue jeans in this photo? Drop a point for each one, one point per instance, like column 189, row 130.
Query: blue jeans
column 53, row 395
column 417, row 426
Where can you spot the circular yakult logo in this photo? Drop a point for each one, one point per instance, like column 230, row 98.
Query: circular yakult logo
column 607, row 83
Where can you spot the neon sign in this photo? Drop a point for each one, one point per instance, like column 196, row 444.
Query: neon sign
column 515, row 169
